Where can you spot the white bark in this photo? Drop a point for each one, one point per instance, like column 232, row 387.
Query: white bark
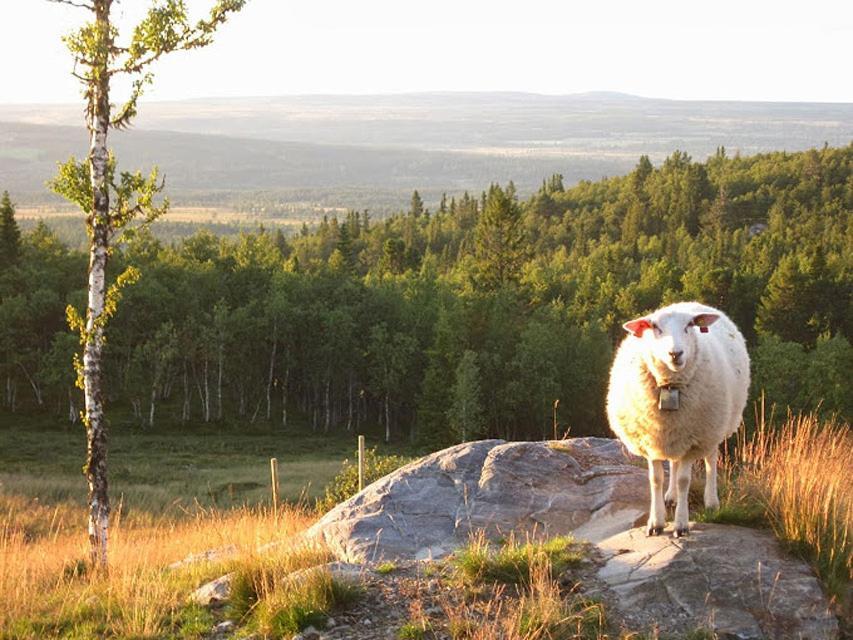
column 284, row 385
column 99, row 222
column 349, row 405
column 271, row 372
column 206, row 393
column 153, row 399
column 328, row 408
column 219, row 380
column 36, row 389
column 387, row 419
column 185, row 409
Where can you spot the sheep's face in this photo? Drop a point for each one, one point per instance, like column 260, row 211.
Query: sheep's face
column 670, row 337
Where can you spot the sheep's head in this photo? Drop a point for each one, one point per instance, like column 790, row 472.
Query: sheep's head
column 670, row 336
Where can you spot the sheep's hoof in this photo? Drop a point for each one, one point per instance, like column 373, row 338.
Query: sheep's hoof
column 680, row 532
column 653, row 531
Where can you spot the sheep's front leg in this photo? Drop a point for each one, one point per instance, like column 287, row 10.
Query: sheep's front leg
column 669, row 496
column 711, row 499
column 657, row 511
column 682, row 489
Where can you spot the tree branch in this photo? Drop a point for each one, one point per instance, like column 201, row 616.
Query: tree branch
column 79, row 5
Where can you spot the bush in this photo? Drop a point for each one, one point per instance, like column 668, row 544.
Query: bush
column 345, row 484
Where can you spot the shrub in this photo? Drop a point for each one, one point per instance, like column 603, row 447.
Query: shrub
column 345, row 483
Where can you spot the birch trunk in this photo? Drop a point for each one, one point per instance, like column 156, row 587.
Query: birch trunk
column 219, row 381
column 328, row 408
column 387, row 420
column 349, row 405
column 284, row 397
column 72, row 410
column 185, row 408
column 152, row 404
column 206, row 392
column 99, row 226
column 36, row 389
column 271, row 372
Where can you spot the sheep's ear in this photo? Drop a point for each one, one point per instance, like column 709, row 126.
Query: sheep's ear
column 636, row 327
column 704, row 320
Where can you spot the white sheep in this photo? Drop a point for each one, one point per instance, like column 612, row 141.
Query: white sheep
column 678, row 387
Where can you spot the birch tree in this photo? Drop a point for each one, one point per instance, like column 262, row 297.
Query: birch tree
column 111, row 199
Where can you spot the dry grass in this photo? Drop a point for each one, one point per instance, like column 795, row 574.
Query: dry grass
column 47, row 593
column 540, row 609
column 797, row 478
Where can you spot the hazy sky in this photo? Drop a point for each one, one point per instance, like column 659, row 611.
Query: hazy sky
column 716, row 49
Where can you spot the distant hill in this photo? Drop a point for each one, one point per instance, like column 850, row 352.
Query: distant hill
column 371, row 151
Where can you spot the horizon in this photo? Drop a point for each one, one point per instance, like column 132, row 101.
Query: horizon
column 600, row 93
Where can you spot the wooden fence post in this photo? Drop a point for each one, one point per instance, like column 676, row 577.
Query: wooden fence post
column 274, row 477
column 556, row 404
column 360, row 463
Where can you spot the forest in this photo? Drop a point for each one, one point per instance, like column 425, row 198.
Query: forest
column 469, row 319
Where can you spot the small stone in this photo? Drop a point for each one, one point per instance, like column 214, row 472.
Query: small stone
column 214, row 592
column 310, row 633
column 224, row 627
column 366, row 622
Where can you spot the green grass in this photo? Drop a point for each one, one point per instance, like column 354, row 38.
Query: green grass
column 168, row 468
column 483, row 562
column 412, row 631
column 284, row 607
column 385, row 568
column 746, row 514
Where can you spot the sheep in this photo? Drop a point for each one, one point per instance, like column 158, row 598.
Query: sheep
column 678, row 387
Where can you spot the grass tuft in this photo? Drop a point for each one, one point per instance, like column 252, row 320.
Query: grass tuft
column 294, row 605
column 385, row 568
column 510, row 563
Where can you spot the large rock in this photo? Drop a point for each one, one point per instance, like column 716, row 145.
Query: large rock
column 588, row 486
column 733, row 580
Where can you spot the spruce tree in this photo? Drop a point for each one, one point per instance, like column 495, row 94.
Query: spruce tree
column 417, row 208
column 10, row 235
column 501, row 242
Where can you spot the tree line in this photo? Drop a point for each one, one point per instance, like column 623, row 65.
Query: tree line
column 464, row 320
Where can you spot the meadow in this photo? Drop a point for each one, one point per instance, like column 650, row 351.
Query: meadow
column 166, row 470
column 790, row 478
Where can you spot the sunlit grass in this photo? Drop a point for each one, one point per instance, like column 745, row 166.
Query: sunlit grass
column 796, row 478
column 484, row 561
column 47, row 593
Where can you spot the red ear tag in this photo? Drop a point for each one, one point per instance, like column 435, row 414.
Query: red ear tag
column 703, row 329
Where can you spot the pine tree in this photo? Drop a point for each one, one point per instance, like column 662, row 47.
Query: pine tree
column 10, row 235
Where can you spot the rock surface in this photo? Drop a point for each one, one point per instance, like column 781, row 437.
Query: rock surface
column 733, row 580
column 588, row 486
column 213, row 593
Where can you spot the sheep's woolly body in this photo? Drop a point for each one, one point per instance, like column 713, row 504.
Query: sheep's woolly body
column 713, row 389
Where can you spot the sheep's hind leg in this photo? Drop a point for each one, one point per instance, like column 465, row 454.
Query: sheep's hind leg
column 657, row 511
column 669, row 496
column 682, row 487
column 712, row 500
